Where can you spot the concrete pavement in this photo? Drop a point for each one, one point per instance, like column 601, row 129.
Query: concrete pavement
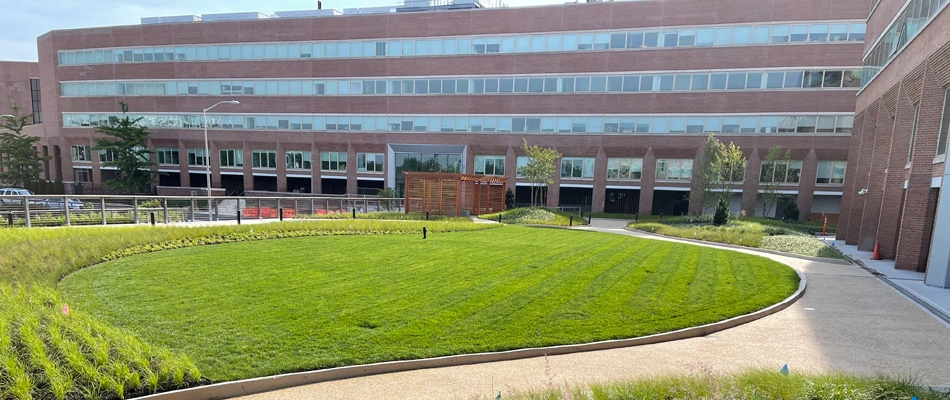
column 848, row 321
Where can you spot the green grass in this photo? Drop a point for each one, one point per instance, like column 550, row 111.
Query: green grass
column 536, row 216
column 256, row 308
column 752, row 385
column 750, row 232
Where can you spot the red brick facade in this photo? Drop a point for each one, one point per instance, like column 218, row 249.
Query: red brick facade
column 898, row 211
column 809, row 148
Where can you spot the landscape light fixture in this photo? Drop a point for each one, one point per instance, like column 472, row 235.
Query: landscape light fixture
column 204, row 114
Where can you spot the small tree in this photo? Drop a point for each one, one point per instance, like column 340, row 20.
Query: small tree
column 767, row 184
column 387, row 193
column 20, row 163
column 721, row 217
column 722, row 168
column 539, row 170
column 709, row 155
column 129, row 153
column 509, row 199
column 730, row 166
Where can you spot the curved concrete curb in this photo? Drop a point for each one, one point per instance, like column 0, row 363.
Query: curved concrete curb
column 270, row 383
column 737, row 247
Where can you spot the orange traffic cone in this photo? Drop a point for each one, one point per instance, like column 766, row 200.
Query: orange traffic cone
column 876, row 255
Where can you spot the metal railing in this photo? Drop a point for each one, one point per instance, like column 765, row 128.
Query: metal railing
column 57, row 210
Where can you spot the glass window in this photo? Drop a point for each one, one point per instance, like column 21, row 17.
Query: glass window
column 666, row 82
column 598, row 84
column 634, row 40
column 768, row 124
column 631, row 83
column 687, row 37
column 569, row 42
column 780, row 34
column 705, row 37
column 537, row 43
column 831, row 172
column 754, row 80
column 717, row 81
column 730, row 124
column 736, row 81
column 818, row 33
column 674, row 169
column 507, row 45
column 775, row 80
column 826, row 124
column 624, row 168
column 670, row 38
column 838, row 32
column 793, row 79
column 615, row 84
column 682, row 82
column 760, row 34
column 851, row 78
column 813, row 79
column 799, row 33
column 832, row 79
column 700, row 82
column 723, row 36
column 742, row 35
column 944, row 125
column 806, row 124
column 651, row 39
column 857, row 32
column 618, row 40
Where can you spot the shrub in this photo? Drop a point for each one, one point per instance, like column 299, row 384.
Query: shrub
column 791, row 212
column 722, row 213
column 509, row 199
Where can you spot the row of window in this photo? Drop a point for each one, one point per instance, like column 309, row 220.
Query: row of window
column 743, row 35
column 788, row 172
column 616, row 83
column 904, row 28
column 295, row 160
column 472, row 123
column 829, row 172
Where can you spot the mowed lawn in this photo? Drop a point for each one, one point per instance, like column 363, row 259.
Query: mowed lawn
column 259, row 308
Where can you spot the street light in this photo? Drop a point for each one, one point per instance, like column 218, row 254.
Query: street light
column 208, row 150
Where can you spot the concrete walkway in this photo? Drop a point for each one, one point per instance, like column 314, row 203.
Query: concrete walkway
column 912, row 282
column 847, row 321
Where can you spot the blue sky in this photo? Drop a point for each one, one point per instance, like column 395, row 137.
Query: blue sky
column 25, row 20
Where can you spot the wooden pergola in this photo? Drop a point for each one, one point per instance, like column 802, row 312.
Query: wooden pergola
column 451, row 194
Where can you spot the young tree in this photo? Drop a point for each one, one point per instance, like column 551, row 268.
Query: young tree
column 730, row 166
column 20, row 164
column 767, row 184
column 539, row 170
column 709, row 156
column 130, row 155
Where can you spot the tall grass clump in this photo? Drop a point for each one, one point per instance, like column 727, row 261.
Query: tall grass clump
column 535, row 216
column 43, row 256
column 754, row 384
column 49, row 352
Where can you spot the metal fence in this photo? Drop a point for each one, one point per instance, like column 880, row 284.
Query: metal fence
column 46, row 210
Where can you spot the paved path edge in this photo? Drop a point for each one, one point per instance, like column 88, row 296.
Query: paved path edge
column 737, row 247
column 269, row 383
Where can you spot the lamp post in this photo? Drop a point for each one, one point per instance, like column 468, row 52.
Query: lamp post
column 204, row 114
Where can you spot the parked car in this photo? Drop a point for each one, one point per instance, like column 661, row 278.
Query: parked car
column 57, row 202
column 13, row 192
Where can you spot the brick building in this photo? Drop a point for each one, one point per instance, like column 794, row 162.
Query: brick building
column 341, row 103
column 898, row 150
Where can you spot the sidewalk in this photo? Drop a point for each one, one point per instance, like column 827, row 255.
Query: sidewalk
column 911, row 282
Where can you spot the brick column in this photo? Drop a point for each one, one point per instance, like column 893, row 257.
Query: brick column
column 889, row 225
column 215, row 159
column 350, row 169
column 696, row 192
column 750, row 187
column 316, row 186
column 920, row 204
column 862, row 173
column 282, row 167
column 183, row 170
column 806, row 184
column 850, row 190
column 554, row 189
column 875, row 196
column 248, row 167
column 511, row 169
column 599, row 194
column 647, row 179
